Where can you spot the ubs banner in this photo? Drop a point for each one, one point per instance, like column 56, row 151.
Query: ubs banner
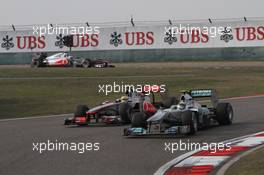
column 200, row 35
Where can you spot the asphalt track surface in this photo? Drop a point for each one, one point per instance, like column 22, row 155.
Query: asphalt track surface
column 94, row 77
column 117, row 155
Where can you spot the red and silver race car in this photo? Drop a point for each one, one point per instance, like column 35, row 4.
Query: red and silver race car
column 118, row 112
column 64, row 59
column 58, row 60
column 105, row 113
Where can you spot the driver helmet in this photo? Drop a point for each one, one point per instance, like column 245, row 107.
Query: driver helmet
column 182, row 105
column 124, row 98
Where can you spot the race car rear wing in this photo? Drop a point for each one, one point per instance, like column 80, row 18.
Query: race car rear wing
column 198, row 93
column 203, row 93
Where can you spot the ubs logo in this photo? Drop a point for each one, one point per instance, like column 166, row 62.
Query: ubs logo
column 7, row 42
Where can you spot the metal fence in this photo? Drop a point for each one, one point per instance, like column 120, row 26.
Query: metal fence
column 130, row 22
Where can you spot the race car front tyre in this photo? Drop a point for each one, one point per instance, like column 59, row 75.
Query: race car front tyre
column 224, row 114
column 124, row 112
column 81, row 110
column 193, row 125
column 189, row 118
column 68, row 121
column 138, row 120
column 105, row 64
column 33, row 64
column 74, row 65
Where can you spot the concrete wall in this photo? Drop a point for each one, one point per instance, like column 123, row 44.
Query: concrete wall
column 247, row 53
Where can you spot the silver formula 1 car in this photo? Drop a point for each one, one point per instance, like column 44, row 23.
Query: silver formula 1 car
column 64, row 59
column 186, row 117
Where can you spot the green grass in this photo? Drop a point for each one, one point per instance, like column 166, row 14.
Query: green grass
column 31, row 97
column 251, row 164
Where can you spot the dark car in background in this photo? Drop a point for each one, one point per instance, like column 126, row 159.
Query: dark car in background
column 64, row 59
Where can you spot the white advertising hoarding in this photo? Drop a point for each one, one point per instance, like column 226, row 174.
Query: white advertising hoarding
column 200, row 35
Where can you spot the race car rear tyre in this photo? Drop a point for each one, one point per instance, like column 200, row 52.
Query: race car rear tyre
column 189, row 118
column 81, row 110
column 170, row 101
column 138, row 120
column 125, row 112
column 224, row 114
column 87, row 63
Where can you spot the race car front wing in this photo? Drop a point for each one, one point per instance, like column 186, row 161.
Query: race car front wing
column 172, row 131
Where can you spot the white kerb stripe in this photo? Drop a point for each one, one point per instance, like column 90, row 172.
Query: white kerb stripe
column 202, row 160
